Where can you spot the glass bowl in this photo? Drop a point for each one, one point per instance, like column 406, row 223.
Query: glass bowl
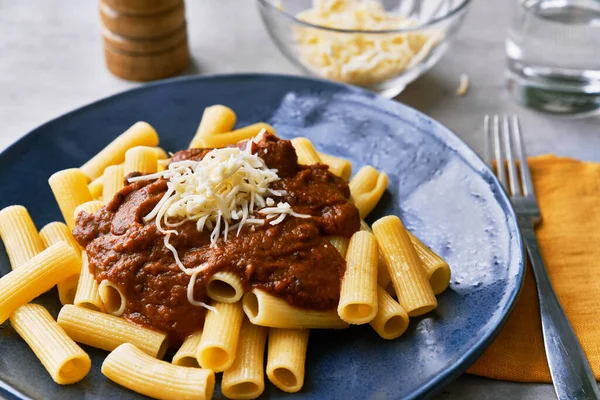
column 380, row 45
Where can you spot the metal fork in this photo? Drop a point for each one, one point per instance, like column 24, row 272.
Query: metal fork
column 571, row 373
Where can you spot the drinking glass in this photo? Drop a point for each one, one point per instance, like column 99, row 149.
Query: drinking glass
column 553, row 54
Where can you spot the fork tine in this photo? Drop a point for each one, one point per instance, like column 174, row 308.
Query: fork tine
column 500, row 171
column 513, row 179
column 488, row 143
column 522, row 155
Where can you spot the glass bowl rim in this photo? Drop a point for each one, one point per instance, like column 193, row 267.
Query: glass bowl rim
column 456, row 10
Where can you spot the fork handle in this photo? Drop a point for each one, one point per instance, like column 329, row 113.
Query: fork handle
column 571, row 373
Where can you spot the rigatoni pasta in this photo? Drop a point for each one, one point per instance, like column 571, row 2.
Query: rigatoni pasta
column 89, row 207
column 220, row 336
column 367, row 187
column 53, row 233
column 87, row 295
column 412, row 287
column 130, row 367
column 286, row 356
column 107, row 332
column 340, row 243
column 215, row 119
column 140, row 134
column 383, row 276
column 267, row 310
column 36, row 276
column 140, row 159
column 113, row 179
column 96, row 187
column 186, row 355
column 307, row 155
column 70, row 188
column 337, row 165
column 233, row 137
column 225, row 287
column 358, row 295
column 436, row 269
column 20, row 236
column 112, row 297
column 391, row 320
column 245, row 379
column 161, row 154
column 66, row 362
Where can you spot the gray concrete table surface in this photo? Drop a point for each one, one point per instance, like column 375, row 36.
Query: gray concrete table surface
column 51, row 62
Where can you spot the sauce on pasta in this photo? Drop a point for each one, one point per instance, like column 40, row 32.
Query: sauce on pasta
column 292, row 260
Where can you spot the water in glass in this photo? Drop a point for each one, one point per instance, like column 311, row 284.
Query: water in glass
column 553, row 50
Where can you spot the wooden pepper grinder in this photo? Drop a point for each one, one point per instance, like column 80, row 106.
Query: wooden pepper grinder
column 144, row 40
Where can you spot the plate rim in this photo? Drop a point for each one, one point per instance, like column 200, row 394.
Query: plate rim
column 455, row 369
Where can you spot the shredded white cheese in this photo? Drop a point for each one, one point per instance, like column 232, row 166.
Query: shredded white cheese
column 226, row 190
column 360, row 58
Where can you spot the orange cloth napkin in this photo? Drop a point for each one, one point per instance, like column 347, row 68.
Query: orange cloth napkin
column 568, row 192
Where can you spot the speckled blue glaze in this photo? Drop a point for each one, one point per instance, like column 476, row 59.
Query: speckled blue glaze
column 438, row 186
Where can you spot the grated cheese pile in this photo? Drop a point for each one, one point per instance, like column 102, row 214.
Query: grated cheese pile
column 225, row 191
column 360, row 58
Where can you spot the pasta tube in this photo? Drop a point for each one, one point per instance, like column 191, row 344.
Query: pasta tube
column 96, row 187
column 340, row 243
column 358, row 295
column 53, row 233
column 161, row 154
column 19, row 235
column 112, row 297
column 141, row 159
column 412, row 287
column 286, row 358
column 87, row 295
column 107, row 332
column 337, row 165
column 391, row 320
column 89, row 207
column 67, row 289
column 36, row 276
column 307, row 155
column 215, row 119
column 113, row 178
column 130, row 367
column 383, row 276
column 245, row 379
column 140, row 134
column 233, row 137
column 266, row 310
column 70, row 188
column 436, row 269
column 364, row 226
column 220, row 336
column 186, row 355
column 367, row 187
column 64, row 360
column 225, row 287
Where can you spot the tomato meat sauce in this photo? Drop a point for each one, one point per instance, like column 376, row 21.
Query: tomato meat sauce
column 292, row 260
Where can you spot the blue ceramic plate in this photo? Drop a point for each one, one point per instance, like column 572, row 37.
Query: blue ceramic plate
column 439, row 187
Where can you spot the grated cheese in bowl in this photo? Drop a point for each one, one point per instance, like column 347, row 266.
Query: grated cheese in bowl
column 225, row 191
column 364, row 57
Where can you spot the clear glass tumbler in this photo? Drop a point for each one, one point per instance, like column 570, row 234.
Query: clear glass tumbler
column 553, row 51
